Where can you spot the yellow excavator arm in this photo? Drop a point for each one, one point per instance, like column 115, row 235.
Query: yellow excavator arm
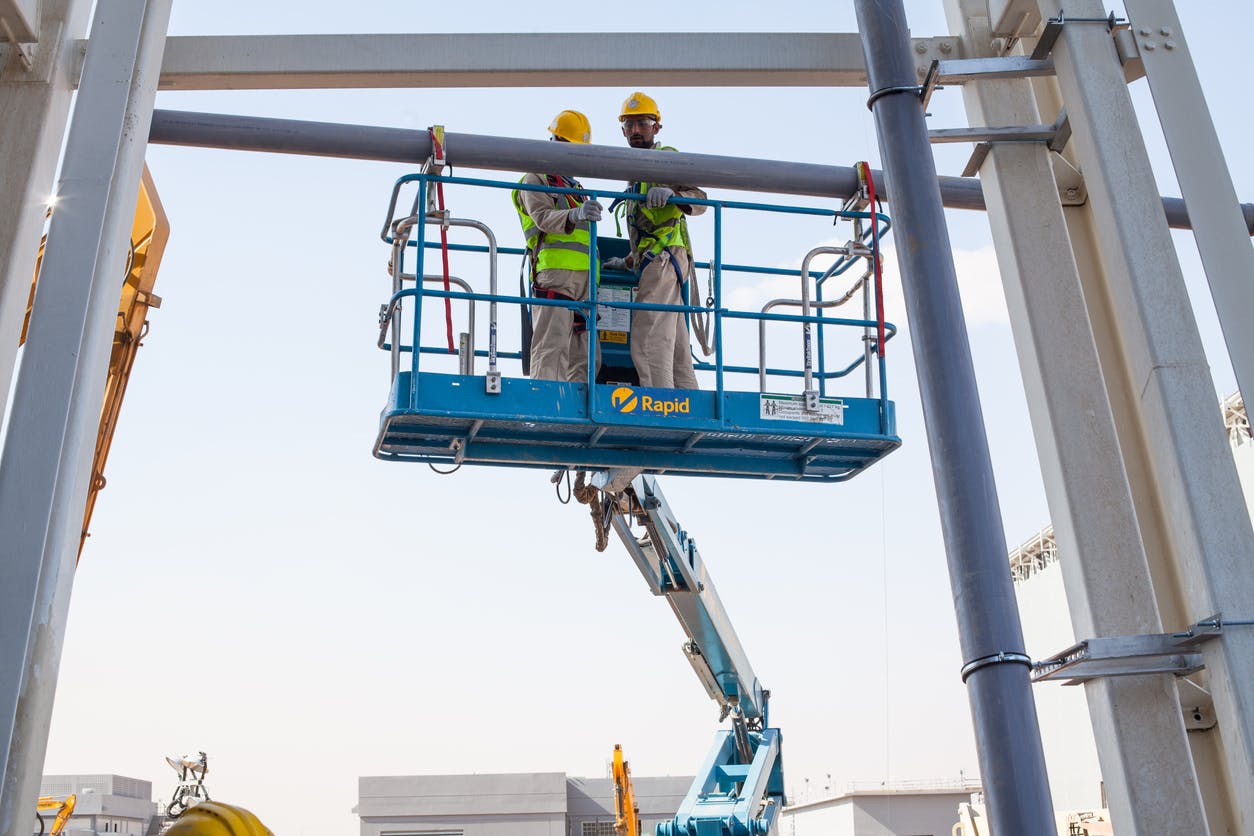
column 149, row 233
column 626, row 811
column 64, row 808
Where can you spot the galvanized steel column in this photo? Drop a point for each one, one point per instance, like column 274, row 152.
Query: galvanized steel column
column 1146, row 763
column 34, row 107
column 1174, row 404
column 46, row 465
column 1011, row 759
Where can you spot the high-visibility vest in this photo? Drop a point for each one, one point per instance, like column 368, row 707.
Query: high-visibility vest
column 656, row 229
column 555, row 250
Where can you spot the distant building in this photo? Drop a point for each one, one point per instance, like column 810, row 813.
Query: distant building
column 907, row 809
column 514, row 804
column 105, row 803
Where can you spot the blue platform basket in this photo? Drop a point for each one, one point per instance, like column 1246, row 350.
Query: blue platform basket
column 476, row 419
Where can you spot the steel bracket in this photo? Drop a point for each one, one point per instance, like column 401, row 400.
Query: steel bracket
column 1053, row 28
column 1173, row 653
column 964, row 70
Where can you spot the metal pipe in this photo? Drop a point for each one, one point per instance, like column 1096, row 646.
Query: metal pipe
column 487, row 232
column 796, row 303
column 996, row 670
column 366, row 142
column 807, row 354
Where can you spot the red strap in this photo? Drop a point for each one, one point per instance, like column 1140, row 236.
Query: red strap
column 875, row 254
column 437, row 152
column 557, row 181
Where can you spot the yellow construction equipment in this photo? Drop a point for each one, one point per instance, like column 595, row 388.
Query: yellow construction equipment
column 64, row 808
column 213, row 818
column 149, row 234
column 626, row 811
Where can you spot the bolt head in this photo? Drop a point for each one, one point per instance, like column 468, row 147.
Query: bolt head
column 1165, row 32
column 1072, row 191
column 1143, row 31
column 1169, row 45
column 920, row 48
column 1150, row 46
column 946, row 47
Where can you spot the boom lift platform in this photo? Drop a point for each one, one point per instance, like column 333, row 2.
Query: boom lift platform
column 454, row 416
column 739, row 789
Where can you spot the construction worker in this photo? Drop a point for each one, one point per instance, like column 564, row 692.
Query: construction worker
column 661, row 254
column 558, row 241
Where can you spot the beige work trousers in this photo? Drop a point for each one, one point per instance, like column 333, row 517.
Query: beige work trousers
column 660, row 349
column 558, row 352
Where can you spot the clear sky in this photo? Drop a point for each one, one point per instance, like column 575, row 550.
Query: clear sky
column 258, row 586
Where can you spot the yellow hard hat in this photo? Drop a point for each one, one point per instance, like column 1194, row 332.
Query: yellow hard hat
column 572, row 126
column 212, row 818
column 638, row 104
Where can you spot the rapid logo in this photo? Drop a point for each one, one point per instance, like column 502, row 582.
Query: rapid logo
column 625, row 399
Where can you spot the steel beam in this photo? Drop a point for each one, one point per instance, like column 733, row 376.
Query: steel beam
column 401, row 145
column 1142, row 745
column 1222, row 242
column 1211, row 545
column 591, row 59
column 35, row 105
column 1002, row 706
column 46, row 466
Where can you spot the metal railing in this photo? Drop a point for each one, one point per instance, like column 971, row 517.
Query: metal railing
column 406, row 234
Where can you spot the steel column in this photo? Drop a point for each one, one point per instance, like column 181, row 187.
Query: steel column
column 1002, row 705
column 1173, row 400
column 34, row 107
column 366, row 142
column 46, row 466
column 1142, row 744
column 1222, row 239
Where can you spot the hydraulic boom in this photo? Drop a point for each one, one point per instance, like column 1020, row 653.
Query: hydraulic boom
column 740, row 788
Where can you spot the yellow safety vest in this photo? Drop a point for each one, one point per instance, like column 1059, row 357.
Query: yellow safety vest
column 552, row 250
column 657, row 229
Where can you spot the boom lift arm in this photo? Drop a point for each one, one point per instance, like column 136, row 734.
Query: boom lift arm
column 739, row 790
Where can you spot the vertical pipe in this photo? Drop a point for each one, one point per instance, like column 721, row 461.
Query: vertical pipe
column 420, row 262
column 718, row 316
column 996, row 671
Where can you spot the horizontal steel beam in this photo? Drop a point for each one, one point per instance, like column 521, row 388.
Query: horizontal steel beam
column 594, row 59
column 323, row 139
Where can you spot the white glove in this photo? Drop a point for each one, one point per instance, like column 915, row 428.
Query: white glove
column 587, row 211
column 657, row 196
column 616, row 264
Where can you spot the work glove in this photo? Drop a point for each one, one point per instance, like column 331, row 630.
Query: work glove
column 657, row 196
column 616, row 264
column 587, row 211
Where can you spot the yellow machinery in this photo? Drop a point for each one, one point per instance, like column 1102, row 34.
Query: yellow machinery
column 626, row 811
column 213, row 818
column 149, row 234
column 64, row 808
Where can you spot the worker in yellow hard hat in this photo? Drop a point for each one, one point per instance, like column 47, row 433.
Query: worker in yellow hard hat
column 661, row 254
column 557, row 229
column 213, row 818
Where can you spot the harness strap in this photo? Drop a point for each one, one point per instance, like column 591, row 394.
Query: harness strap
column 581, row 322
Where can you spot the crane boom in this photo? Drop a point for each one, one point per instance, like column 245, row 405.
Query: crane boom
column 739, row 790
column 670, row 563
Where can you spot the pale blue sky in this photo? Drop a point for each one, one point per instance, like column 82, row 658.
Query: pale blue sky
column 258, row 586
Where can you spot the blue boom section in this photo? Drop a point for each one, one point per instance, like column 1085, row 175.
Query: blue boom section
column 450, row 419
column 739, row 790
column 731, row 798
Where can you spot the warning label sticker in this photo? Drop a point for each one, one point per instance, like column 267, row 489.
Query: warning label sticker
column 793, row 408
column 614, row 319
column 619, row 337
